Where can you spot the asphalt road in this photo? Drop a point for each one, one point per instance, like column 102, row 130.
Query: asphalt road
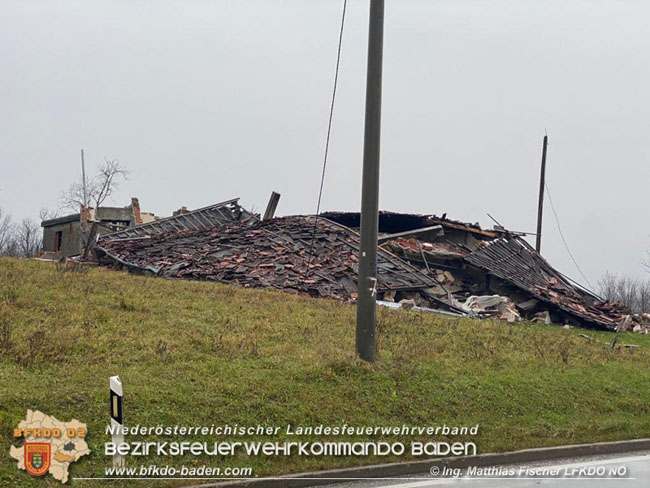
column 630, row 470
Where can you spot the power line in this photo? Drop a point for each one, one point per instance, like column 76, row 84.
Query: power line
column 559, row 228
column 329, row 129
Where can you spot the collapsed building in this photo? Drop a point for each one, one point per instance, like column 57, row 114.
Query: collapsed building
column 295, row 254
column 70, row 235
column 489, row 272
column 424, row 261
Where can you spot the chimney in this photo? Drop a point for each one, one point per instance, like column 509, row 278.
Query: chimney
column 84, row 213
column 135, row 209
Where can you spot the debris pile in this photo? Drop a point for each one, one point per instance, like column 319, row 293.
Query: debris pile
column 423, row 262
column 272, row 253
column 494, row 306
column 491, row 273
column 515, row 262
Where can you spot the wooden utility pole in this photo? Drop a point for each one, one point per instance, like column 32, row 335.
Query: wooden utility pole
column 540, row 205
column 366, row 329
column 83, row 178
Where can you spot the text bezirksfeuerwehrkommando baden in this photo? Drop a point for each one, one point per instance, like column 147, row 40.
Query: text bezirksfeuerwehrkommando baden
column 298, row 448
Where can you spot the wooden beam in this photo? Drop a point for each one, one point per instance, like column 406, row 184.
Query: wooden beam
column 271, row 206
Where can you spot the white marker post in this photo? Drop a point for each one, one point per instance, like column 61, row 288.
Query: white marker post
column 116, row 417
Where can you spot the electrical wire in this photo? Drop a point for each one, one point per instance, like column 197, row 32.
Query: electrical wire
column 559, row 228
column 329, row 131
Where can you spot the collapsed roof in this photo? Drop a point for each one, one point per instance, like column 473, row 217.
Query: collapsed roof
column 275, row 253
column 515, row 262
column 472, row 261
column 210, row 216
column 434, row 261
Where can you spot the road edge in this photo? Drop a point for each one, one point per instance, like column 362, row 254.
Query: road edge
column 314, row 478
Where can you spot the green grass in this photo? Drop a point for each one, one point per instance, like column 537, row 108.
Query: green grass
column 204, row 353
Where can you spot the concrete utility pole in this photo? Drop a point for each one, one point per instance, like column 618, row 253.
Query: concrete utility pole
column 83, row 178
column 540, row 205
column 366, row 340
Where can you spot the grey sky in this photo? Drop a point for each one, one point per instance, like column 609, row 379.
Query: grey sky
column 205, row 101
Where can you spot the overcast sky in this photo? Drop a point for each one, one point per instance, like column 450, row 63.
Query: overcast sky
column 209, row 100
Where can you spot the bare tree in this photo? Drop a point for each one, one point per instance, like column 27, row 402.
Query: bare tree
column 19, row 240
column 29, row 238
column 6, row 233
column 98, row 188
column 644, row 296
column 633, row 293
column 607, row 286
column 47, row 214
column 11, row 247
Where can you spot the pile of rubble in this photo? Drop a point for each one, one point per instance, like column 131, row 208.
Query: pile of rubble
column 272, row 253
column 514, row 261
column 423, row 261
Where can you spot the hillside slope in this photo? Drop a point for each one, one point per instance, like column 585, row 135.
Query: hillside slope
column 202, row 353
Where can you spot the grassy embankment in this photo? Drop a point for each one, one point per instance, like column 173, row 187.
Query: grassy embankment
column 203, row 353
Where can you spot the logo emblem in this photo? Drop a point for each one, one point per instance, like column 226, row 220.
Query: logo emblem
column 37, row 457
